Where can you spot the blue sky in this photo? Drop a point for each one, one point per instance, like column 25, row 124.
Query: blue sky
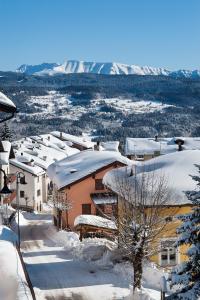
column 144, row 32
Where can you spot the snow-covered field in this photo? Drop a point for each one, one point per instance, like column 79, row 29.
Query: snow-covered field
column 62, row 267
column 54, row 103
column 130, row 106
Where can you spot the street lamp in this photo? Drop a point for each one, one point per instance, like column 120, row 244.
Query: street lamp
column 5, row 191
column 20, row 180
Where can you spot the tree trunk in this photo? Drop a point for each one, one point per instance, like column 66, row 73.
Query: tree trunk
column 137, row 266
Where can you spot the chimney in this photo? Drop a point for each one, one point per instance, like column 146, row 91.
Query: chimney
column 61, row 135
column 45, row 158
column 156, row 138
column 48, row 138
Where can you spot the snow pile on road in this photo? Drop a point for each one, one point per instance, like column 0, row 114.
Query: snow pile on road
column 90, row 249
column 66, row 239
column 22, row 221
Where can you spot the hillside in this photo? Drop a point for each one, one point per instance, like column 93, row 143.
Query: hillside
column 112, row 107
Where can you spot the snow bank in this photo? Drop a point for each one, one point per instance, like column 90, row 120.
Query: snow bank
column 13, row 285
column 22, row 221
column 68, row 240
column 7, row 234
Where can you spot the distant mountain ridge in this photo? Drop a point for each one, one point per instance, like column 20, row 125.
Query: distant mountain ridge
column 75, row 66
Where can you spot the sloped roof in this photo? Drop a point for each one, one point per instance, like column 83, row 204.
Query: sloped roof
column 82, row 141
column 71, row 169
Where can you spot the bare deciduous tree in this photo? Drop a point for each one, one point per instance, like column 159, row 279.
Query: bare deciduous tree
column 142, row 197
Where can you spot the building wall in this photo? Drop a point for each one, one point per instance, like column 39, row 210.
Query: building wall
column 169, row 231
column 79, row 194
column 34, row 184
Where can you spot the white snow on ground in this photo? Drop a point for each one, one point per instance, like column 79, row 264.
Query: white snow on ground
column 13, row 285
column 63, row 105
column 62, row 267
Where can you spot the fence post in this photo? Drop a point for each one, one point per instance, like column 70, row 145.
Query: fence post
column 163, row 285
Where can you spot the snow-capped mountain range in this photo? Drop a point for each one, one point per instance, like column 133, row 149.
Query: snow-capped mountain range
column 75, row 66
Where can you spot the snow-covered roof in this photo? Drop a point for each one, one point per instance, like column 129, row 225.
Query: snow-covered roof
column 6, row 104
column 32, row 168
column 94, row 221
column 44, row 149
column 53, row 142
column 110, row 146
column 176, row 167
column 137, row 146
column 4, row 156
column 82, row 140
column 73, row 168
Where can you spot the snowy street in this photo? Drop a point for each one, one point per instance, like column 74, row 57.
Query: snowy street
column 56, row 274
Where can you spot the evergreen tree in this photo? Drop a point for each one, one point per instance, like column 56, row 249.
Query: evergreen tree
column 6, row 134
column 185, row 278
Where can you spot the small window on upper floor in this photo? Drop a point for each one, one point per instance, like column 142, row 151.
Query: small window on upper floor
column 22, row 194
column 99, row 184
column 38, row 193
column 86, row 209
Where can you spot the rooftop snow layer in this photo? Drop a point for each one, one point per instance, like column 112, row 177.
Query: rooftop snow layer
column 73, row 168
column 33, row 169
column 6, row 102
column 176, row 167
column 136, row 146
column 42, row 150
column 109, row 146
column 95, row 221
column 82, row 141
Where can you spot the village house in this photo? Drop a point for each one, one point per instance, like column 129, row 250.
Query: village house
column 32, row 194
column 32, row 156
column 78, row 184
column 142, row 149
column 177, row 168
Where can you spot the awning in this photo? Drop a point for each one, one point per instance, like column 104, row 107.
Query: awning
column 6, row 105
column 104, row 198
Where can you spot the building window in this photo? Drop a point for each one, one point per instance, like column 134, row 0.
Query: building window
column 38, row 193
column 22, row 194
column 98, row 184
column 38, row 179
column 86, row 209
column 168, row 253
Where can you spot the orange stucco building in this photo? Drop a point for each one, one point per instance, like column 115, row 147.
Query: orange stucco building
column 78, row 185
